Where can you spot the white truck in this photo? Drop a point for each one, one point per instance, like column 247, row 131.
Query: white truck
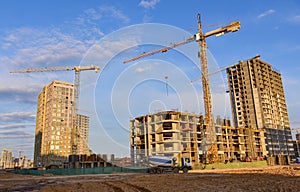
column 161, row 164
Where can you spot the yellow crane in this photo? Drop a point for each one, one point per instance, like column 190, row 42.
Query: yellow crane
column 212, row 73
column 77, row 70
column 200, row 37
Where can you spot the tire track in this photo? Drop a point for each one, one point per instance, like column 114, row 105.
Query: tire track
column 141, row 189
column 114, row 188
column 121, row 186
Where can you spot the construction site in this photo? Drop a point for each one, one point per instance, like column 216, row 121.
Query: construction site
column 174, row 133
column 258, row 140
column 261, row 125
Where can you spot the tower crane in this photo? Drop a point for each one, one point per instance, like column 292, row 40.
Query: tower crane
column 212, row 73
column 21, row 161
column 200, row 37
column 77, row 70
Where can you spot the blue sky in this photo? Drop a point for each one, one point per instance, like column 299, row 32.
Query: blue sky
column 37, row 34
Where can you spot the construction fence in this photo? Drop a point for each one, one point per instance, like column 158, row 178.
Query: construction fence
column 80, row 171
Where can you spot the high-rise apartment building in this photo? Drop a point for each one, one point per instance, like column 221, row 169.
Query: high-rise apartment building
column 56, row 136
column 6, row 160
column 258, row 102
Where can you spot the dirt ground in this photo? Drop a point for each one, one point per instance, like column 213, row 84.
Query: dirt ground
column 275, row 178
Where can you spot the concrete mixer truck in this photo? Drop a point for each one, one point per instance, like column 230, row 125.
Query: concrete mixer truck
column 162, row 164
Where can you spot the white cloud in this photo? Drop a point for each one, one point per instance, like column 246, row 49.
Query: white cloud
column 88, row 24
column 16, row 116
column 270, row 11
column 142, row 69
column 148, row 4
column 13, row 134
column 102, row 52
column 45, row 47
column 19, row 93
column 295, row 19
column 114, row 13
column 59, row 45
column 93, row 14
column 14, row 126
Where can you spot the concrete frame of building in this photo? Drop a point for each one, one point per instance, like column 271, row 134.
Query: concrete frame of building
column 82, row 122
column 172, row 133
column 258, row 102
column 239, row 143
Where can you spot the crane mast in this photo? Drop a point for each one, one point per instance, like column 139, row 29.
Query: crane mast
column 209, row 146
column 200, row 37
column 205, row 77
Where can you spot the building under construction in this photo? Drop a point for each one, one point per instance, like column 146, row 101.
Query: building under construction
column 59, row 131
column 258, row 103
column 170, row 133
column 82, row 122
column 237, row 142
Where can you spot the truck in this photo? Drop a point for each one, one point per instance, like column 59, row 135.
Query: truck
column 162, row 164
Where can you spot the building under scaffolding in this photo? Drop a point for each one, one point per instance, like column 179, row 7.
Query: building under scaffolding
column 170, row 133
